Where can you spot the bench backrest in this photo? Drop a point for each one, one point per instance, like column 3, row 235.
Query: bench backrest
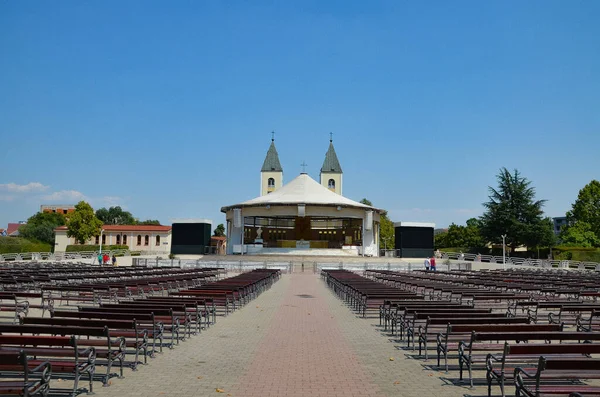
column 36, row 340
column 552, row 348
column 459, row 320
column 53, row 330
column 582, row 364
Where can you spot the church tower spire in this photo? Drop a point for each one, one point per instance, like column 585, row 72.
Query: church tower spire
column 271, row 173
column 331, row 171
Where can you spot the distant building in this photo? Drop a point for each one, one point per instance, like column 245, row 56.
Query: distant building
column 154, row 238
column 559, row 222
column 58, row 208
column 12, row 229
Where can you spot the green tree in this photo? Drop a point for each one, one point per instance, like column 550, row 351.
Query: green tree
column 512, row 211
column 83, row 224
column 387, row 233
column 115, row 216
column 579, row 234
column 366, row 202
column 220, row 230
column 439, row 240
column 541, row 234
column 587, row 208
column 40, row 227
column 148, row 222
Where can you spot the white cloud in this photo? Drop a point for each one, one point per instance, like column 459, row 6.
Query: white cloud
column 30, row 187
column 6, row 197
column 65, row 197
column 110, row 201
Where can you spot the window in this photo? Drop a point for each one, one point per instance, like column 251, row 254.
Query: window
column 103, row 239
column 124, row 239
column 65, row 212
column 271, row 183
column 157, row 240
column 97, row 240
column 139, row 240
column 146, row 240
column 118, row 239
column 331, row 184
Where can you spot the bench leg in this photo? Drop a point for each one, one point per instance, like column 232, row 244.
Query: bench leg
column 91, row 372
column 488, row 377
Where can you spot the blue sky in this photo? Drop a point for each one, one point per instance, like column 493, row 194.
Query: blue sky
column 166, row 108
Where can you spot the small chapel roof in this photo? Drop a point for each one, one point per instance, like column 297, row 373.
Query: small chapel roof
column 331, row 163
column 301, row 190
column 272, row 163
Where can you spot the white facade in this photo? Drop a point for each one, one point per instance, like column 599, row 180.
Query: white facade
column 303, row 197
column 270, row 181
column 332, row 181
column 135, row 239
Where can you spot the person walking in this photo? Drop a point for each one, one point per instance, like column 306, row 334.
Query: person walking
column 99, row 259
column 105, row 259
column 114, row 260
column 427, row 264
column 432, row 263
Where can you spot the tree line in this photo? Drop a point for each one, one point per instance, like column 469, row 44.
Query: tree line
column 83, row 223
column 512, row 210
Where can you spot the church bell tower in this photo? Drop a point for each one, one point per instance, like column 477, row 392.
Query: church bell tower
column 331, row 171
column 271, row 173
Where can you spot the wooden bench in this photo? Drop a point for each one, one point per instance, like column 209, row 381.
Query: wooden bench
column 145, row 320
column 10, row 303
column 62, row 352
column 518, row 355
column 530, row 381
column 453, row 331
column 35, row 381
column 126, row 334
column 482, row 342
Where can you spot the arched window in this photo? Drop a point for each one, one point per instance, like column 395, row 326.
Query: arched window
column 271, row 183
column 139, row 240
column 97, row 240
column 124, row 239
column 118, row 239
column 331, row 184
column 157, row 240
column 103, row 239
column 146, row 240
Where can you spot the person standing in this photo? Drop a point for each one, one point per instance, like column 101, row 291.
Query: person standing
column 427, row 264
column 114, row 260
column 105, row 259
column 99, row 259
column 432, row 263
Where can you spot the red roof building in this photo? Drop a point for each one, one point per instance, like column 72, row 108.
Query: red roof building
column 147, row 238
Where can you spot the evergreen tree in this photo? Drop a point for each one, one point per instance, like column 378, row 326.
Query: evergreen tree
column 512, row 210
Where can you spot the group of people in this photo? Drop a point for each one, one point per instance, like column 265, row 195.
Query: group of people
column 104, row 259
column 430, row 263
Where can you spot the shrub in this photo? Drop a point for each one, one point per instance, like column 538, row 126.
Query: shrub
column 15, row 245
column 92, row 247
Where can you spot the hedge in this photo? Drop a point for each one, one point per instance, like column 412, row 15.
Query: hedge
column 15, row 245
column 94, row 248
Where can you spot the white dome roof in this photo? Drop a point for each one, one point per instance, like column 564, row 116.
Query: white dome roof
column 301, row 190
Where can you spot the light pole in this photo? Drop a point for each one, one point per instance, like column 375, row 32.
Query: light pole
column 100, row 253
column 504, row 251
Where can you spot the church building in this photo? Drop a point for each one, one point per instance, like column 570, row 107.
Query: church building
column 302, row 217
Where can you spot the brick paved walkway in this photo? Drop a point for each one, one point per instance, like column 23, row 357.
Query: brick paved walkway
column 297, row 339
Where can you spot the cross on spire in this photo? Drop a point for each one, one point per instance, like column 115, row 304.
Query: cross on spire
column 272, row 136
column 303, row 165
column 331, row 137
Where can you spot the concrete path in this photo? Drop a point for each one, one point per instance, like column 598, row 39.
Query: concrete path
column 296, row 339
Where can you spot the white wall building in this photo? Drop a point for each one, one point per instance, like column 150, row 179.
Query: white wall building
column 150, row 238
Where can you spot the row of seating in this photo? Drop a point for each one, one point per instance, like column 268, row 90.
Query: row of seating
column 90, row 342
column 540, row 358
